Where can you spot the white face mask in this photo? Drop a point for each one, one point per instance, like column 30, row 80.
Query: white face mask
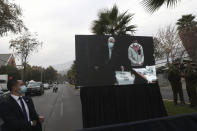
column 23, row 89
column 110, row 45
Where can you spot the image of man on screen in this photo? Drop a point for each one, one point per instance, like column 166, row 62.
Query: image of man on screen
column 102, row 61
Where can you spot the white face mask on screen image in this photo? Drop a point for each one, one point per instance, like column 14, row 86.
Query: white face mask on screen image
column 110, row 45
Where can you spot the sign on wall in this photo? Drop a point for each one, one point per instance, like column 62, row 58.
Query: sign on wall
column 117, row 60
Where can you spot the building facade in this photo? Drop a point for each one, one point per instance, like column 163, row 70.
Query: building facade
column 7, row 59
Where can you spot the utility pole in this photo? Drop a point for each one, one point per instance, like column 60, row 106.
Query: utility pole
column 22, row 73
column 41, row 75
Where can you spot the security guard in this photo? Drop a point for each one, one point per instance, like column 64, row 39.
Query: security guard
column 191, row 83
column 174, row 76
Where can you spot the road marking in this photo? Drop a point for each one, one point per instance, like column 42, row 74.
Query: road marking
column 62, row 94
column 62, row 109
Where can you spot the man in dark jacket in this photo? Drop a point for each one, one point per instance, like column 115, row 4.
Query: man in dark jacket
column 174, row 76
column 18, row 112
column 191, row 83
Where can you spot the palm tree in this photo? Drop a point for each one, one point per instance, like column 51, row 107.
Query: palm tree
column 153, row 5
column 186, row 23
column 111, row 22
column 187, row 28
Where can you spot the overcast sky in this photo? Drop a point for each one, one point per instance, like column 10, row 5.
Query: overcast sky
column 57, row 21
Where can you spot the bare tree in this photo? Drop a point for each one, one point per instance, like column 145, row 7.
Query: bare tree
column 169, row 43
column 158, row 52
column 24, row 46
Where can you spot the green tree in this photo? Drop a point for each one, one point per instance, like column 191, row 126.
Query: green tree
column 112, row 22
column 28, row 72
column 187, row 28
column 50, row 74
column 153, row 5
column 61, row 78
column 11, row 71
column 10, row 20
column 71, row 74
column 23, row 46
column 34, row 73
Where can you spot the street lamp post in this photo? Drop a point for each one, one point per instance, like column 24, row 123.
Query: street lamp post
column 41, row 75
column 22, row 73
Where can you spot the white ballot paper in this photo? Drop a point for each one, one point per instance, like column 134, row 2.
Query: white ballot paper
column 149, row 73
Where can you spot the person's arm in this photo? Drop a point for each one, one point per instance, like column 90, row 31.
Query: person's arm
column 131, row 54
column 142, row 54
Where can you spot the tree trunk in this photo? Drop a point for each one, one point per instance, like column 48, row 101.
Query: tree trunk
column 189, row 40
column 24, row 72
column 167, row 57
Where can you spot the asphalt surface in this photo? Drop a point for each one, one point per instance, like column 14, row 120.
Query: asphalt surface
column 62, row 110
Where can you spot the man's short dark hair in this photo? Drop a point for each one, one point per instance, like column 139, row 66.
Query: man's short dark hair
column 11, row 84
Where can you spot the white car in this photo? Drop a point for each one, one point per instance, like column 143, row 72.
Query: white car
column 46, row 86
column 3, row 82
column 1, row 92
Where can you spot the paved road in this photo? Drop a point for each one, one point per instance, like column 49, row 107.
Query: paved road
column 62, row 110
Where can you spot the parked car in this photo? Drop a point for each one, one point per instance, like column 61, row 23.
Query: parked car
column 50, row 85
column 3, row 82
column 4, row 95
column 46, row 86
column 1, row 92
column 35, row 88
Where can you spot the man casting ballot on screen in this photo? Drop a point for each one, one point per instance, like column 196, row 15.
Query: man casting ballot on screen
column 103, row 67
column 19, row 113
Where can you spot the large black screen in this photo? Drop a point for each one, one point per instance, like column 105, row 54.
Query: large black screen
column 114, row 60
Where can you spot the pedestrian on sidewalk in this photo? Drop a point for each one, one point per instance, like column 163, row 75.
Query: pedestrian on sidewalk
column 174, row 77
